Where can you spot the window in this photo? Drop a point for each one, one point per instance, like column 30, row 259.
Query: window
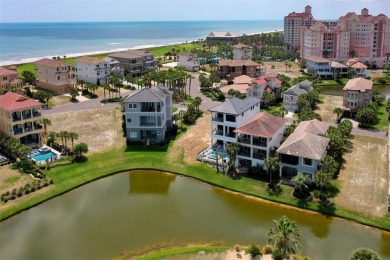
column 132, row 105
column 128, row 120
column 4, row 78
column 58, row 77
column 133, row 134
column 307, row 161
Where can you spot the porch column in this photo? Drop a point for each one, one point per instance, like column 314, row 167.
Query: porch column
column 280, row 171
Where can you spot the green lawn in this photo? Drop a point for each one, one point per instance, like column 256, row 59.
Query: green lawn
column 161, row 254
column 155, row 157
column 330, row 82
column 383, row 122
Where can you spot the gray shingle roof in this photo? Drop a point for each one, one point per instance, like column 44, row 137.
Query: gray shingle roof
column 156, row 94
column 300, row 88
column 235, row 106
column 304, row 144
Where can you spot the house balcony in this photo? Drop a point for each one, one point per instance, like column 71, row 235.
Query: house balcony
column 217, row 119
column 218, row 132
column 259, row 143
column 259, row 156
column 230, row 134
column 244, row 140
column 17, row 130
column 244, row 153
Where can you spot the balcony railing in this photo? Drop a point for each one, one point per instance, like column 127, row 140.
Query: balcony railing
column 28, row 129
column 259, row 156
column 259, row 143
column 217, row 119
column 233, row 135
column 148, row 124
column 37, row 126
column 244, row 140
column 27, row 116
column 16, row 118
column 150, row 109
column 18, row 131
column 244, row 153
column 217, row 132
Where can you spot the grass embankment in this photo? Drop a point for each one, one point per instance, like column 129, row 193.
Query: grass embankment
column 157, row 52
column 138, row 157
column 181, row 251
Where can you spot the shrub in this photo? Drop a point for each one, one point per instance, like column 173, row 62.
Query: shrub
column 267, row 249
column 254, row 251
column 85, row 92
column 301, row 257
column 277, row 255
column 364, row 253
column 238, row 248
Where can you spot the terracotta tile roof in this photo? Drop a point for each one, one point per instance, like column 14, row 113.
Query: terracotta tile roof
column 263, row 124
column 243, row 79
column 335, row 64
column 317, row 59
column 242, row 88
column 270, row 75
column 52, row 63
column 237, row 63
column 263, row 79
column 360, row 84
column 16, row 81
column 313, row 126
column 91, row 60
column 241, row 46
column 11, row 101
column 359, row 65
column 305, row 145
column 6, row 72
column 259, row 81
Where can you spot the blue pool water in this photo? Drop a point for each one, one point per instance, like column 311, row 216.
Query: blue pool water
column 43, row 156
column 211, row 155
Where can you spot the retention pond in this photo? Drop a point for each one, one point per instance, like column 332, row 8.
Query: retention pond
column 141, row 210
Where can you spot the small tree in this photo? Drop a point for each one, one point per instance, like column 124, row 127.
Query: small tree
column 300, row 182
column 80, row 149
column 322, row 180
column 338, row 111
column 73, row 93
column 254, row 251
column 45, row 123
column 364, row 254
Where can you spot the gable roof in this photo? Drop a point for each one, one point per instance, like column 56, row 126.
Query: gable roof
column 52, row 63
column 313, row 126
column 235, row 63
column 360, row 84
column 335, row 64
column 317, row 59
column 6, row 72
column 359, row 65
column 243, row 79
column 305, row 145
column 242, row 88
column 12, row 101
column 300, row 88
column 235, row 106
column 156, row 94
column 262, row 124
column 91, row 60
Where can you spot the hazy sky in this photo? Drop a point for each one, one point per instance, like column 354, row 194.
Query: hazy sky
column 177, row 10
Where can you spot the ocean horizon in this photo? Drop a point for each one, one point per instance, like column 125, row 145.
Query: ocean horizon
column 28, row 42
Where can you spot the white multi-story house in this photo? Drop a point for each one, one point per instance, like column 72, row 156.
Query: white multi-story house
column 257, row 137
column 136, row 62
column 114, row 67
column 319, row 67
column 148, row 115
column 229, row 115
column 20, row 118
column 92, row 70
column 360, row 68
column 291, row 95
column 242, row 52
column 55, row 75
column 267, row 82
column 189, row 61
column 304, row 150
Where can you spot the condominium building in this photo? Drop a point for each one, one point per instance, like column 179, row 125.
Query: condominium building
column 294, row 24
column 148, row 115
column 242, row 52
column 136, row 62
column 55, row 75
column 189, row 61
column 92, row 70
column 20, row 118
column 9, row 79
column 356, row 93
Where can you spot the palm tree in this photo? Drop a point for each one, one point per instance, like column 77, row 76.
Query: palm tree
column 105, row 86
column 338, row 111
column 73, row 136
column 232, row 149
column 197, row 101
column 322, row 179
column 283, row 111
column 300, row 182
column 80, row 149
column 272, row 164
column 45, row 123
column 51, row 137
column 284, row 236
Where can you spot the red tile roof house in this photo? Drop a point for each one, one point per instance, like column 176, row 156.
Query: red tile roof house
column 257, row 137
column 9, row 78
column 304, row 149
column 20, row 117
column 267, row 82
column 55, row 75
column 356, row 94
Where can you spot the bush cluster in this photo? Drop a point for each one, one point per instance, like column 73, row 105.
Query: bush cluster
column 24, row 190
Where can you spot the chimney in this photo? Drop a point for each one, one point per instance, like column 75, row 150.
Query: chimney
column 364, row 11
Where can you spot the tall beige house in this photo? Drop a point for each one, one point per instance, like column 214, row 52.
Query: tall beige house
column 356, row 94
column 294, row 24
column 9, row 78
column 20, row 118
column 55, row 75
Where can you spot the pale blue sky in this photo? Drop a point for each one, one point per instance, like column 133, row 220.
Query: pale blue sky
column 177, row 10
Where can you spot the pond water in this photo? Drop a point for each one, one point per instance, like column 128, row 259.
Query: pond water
column 140, row 210
column 337, row 90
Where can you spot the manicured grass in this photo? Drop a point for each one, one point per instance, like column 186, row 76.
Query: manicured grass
column 328, row 82
column 273, row 108
column 383, row 122
column 155, row 157
column 161, row 254
column 12, row 179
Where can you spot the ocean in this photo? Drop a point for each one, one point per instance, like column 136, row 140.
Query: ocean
column 27, row 42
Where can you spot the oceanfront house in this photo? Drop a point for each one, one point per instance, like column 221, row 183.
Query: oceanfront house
column 304, row 150
column 189, row 61
column 20, row 118
column 114, row 67
column 268, row 82
column 319, row 67
column 136, row 62
column 242, row 52
column 257, row 137
column 360, row 68
column 222, row 37
column 339, row 70
column 356, row 94
column 9, row 79
column 229, row 69
column 291, row 95
column 227, row 116
column 148, row 115
column 55, row 75
column 92, row 70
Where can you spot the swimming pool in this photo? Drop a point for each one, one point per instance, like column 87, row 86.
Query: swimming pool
column 222, row 155
column 43, row 154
